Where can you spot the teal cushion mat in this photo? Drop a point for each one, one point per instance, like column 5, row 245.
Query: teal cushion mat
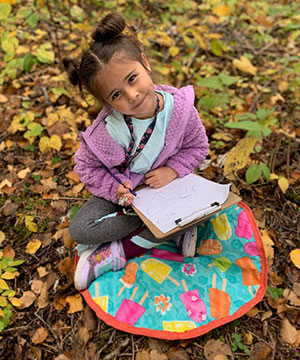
column 165, row 295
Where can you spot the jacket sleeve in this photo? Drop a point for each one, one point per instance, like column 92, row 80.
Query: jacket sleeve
column 95, row 178
column 193, row 148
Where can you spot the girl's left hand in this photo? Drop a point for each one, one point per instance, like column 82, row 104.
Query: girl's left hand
column 160, row 177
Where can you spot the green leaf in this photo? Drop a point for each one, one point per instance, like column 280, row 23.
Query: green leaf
column 264, row 113
column 244, row 125
column 275, row 293
column 266, row 171
column 33, row 20
column 73, row 211
column 29, row 61
column 4, row 321
column 228, row 80
column 209, row 102
column 246, row 116
column 45, row 54
column 5, row 10
column 212, row 82
column 34, row 130
column 216, row 47
column 253, row 173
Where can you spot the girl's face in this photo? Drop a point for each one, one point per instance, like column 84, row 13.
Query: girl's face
column 126, row 86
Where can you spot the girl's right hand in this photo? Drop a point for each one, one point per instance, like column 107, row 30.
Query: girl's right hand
column 124, row 193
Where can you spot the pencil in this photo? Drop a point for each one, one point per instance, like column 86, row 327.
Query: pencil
column 118, row 180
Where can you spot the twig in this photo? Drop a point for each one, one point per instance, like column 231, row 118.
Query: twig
column 116, row 351
column 51, row 330
column 132, row 346
column 288, row 159
column 109, row 342
column 258, row 96
column 278, row 142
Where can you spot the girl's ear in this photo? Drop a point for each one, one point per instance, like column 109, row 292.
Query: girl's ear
column 146, row 62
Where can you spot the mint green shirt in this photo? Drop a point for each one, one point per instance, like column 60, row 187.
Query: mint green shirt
column 118, row 130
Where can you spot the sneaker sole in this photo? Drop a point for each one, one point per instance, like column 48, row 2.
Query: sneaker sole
column 193, row 241
column 82, row 260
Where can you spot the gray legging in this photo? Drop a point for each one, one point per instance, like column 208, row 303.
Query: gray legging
column 85, row 229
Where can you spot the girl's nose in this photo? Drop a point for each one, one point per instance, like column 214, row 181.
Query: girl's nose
column 132, row 95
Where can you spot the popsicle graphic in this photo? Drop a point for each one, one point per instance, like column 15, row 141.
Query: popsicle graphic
column 193, row 303
column 129, row 311
column 221, row 227
column 178, row 326
column 251, row 249
column 129, row 277
column 251, row 275
column 219, row 300
column 210, row 247
column 222, row 263
column 243, row 228
column 102, row 301
column 157, row 270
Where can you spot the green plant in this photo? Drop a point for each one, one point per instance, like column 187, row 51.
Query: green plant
column 255, row 171
column 275, row 293
column 8, row 271
column 237, row 343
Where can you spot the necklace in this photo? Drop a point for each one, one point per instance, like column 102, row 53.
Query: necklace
column 128, row 156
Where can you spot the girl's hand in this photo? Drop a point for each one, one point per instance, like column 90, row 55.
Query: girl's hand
column 124, row 193
column 160, row 177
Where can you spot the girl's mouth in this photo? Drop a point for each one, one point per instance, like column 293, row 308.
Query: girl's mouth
column 139, row 104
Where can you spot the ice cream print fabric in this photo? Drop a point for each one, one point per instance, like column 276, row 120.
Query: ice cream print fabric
column 175, row 297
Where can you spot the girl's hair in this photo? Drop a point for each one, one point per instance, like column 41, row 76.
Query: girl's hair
column 109, row 38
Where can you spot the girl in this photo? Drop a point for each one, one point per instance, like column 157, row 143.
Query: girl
column 146, row 134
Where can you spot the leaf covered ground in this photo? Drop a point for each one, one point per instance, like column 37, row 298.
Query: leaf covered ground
column 243, row 58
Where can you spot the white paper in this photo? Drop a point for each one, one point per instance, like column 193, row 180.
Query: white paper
column 180, row 198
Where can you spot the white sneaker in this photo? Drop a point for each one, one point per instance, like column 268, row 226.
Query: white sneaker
column 187, row 242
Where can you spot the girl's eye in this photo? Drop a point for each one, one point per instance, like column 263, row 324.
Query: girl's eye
column 115, row 95
column 131, row 79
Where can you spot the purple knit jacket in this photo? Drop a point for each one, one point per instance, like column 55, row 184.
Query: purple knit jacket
column 186, row 145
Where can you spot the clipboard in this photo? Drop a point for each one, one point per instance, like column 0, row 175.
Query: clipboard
column 231, row 200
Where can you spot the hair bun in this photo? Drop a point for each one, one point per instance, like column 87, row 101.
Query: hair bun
column 111, row 26
column 71, row 66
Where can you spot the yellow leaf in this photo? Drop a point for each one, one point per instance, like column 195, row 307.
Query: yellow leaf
column 23, row 173
column 238, row 156
column 33, row 246
column 8, row 275
column 273, row 176
column 174, row 50
column 30, row 225
column 222, row 10
column 75, row 303
column 3, row 301
column 44, row 143
column 16, row 302
column 245, row 65
column 283, row 183
column 295, row 257
column 268, row 244
column 3, row 98
column 8, row 2
column 53, row 142
column 1, row 313
column 3, row 285
column 2, row 237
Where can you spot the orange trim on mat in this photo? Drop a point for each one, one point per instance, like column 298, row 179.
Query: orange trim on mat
column 169, row 335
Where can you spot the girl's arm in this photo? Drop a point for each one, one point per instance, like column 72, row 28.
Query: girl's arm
column 193, row 148
column 95, row 178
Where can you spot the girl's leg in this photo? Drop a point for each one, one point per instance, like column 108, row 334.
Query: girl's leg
column 97, row 222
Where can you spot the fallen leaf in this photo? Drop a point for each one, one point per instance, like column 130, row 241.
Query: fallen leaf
column 295, row 257
column 30, row 225
column 16, row 302
column 248, row 338
column 42, row 271
column 59, row 302
column 212, row 348
column 9, row 275
column 178, row 354
column 66, row 267
column 157, row 355
column 72, row 175
column 245, row 65
column 266, row 315
column 83, row 335
column 221, row 357
column 2, row 237
column 291, row 298
column 75, row 303
column 260, row 351
column 143, row 355
column 238, row 156
column 36, row 286
column 39, row 336
column 43, row 300
column 268, row 244
column 23, row 173
column 222, row 10
column 283, row 183
column 252, row 312
column 27, row 299
column 9, row 252
column 288, row 332
column 33, row 246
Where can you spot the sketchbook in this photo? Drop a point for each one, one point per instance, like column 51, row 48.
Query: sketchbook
column 182, row 203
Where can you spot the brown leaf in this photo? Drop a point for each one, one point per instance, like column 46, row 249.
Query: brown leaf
column 83, row 335
column 59, row 302
column 221, row 357
column 252, row 312
column 42, row 271
column 68, row 241
column 9, row 208
column 62, row 357
column 39, row 336
column 212, row 348
column 36, row 286
column 178, row 354
column 66, row 267
column 288, row 332
column 266, row 315
column 89, row 319
column 43, row 299
column 9, row 252
column 27, row 299
column 143, row 355
column 291, row 298
column 72, row 175
column 75, row 303
column 260, row 351
column 156, row 355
